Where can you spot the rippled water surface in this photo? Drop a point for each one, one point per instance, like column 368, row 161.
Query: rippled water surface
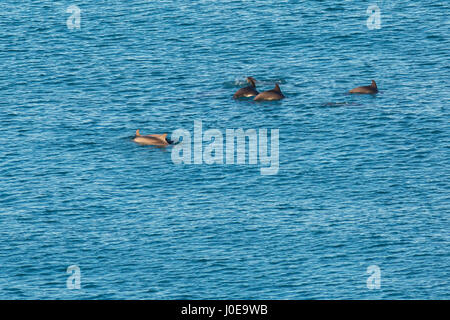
column 362, row 180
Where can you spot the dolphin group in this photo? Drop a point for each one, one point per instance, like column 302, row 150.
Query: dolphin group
column 246, row 92
column 276, row 94
column 250, row 91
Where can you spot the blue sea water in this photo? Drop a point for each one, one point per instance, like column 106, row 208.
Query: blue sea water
column 362, row 180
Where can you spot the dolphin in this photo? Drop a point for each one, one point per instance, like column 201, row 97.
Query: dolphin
column 372, row 89
column 152, row 139
column 274, row 94
column 246, row 92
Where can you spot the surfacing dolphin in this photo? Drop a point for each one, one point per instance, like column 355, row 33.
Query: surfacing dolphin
column 372, row 89
column 270, row 95
column 246, row 92
column 152, row 139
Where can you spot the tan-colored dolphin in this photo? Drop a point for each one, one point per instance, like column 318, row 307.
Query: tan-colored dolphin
column 249, row 91
column 270, row 95
column 372, row 89
column 152, row 139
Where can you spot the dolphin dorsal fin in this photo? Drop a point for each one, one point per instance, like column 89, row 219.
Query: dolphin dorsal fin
column 252, row 82
column 277, row 88
column 373, row 85
column 137, row 133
